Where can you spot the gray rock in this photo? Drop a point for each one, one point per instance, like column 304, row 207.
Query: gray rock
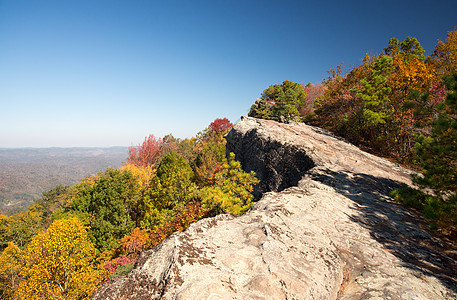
column 325, row 228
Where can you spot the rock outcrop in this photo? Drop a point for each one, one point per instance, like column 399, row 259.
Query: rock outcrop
column 325, row 228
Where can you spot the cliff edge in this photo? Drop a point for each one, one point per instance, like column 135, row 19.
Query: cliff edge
column 324, row 228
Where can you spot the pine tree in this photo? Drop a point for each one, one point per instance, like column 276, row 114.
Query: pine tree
column 437, row 155
column 375, row 92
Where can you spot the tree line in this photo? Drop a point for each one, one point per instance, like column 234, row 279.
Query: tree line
column 399, row 104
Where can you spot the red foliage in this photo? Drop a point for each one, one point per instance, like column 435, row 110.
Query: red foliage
column 438, row 93
column 312, row 93
column 146, row 153
column 220, row 125
column 112, row 265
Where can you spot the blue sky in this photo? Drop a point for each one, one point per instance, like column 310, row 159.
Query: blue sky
column 108, row 73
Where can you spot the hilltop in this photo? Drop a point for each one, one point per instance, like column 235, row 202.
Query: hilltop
column 326, row 228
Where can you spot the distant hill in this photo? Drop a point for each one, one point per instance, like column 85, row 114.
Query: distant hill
column 25, row 173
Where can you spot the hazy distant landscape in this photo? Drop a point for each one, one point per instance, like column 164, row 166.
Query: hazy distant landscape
column 25, row 173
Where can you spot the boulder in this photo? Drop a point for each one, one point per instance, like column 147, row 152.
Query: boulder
column 324, row 228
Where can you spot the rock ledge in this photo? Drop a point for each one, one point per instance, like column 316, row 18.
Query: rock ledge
column 325, row 229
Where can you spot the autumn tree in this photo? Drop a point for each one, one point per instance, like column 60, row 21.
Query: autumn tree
column 338, row 109
column 313, row 93
column 146, row 153
column 183, row 217
column 210, row 151
column 10, row 267
column 220, row 125
column 142, row 174
column 444, row 58
column 20, row 228
column 60, row 264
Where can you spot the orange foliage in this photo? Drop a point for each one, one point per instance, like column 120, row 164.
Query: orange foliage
column 134, row 243
column 411, row 75
column 191, row 213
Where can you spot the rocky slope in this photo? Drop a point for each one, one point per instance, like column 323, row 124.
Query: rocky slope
column 325, row 229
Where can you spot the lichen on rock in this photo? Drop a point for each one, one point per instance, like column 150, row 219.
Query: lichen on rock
column 324, row 228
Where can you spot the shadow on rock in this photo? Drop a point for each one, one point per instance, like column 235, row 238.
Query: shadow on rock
column 400, row 230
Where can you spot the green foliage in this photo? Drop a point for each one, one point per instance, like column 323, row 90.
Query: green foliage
column 52, row 200
column 409, row 197
column 175, row 178
column 375, row 92
column 434, row 208
column 20, row 228
column 437, row 154
column 109, row 205
column 280, row 102
column 231, row 192
column 172, row 187
column 409, row 48
column 122, row 270
column 262, row 110
column 437, row 157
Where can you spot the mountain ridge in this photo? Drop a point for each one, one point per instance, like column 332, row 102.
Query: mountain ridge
column 327, row 229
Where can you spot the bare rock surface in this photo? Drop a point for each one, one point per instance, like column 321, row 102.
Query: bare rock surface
column 325, row 228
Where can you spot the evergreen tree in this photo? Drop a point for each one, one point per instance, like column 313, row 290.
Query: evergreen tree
column 410, row 48
column 437, row 155
column 280, row 102
column 375, row 92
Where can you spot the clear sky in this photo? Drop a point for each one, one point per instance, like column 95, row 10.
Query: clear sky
column 109, row 73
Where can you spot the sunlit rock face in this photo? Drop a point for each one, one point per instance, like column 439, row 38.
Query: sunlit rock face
column 324, row 228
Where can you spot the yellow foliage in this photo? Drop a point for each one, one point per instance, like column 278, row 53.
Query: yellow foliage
column 90, row 180
column 144, row 174
column 9, row 270
column 231, row 192
column 60, row 264
column 445, row 55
